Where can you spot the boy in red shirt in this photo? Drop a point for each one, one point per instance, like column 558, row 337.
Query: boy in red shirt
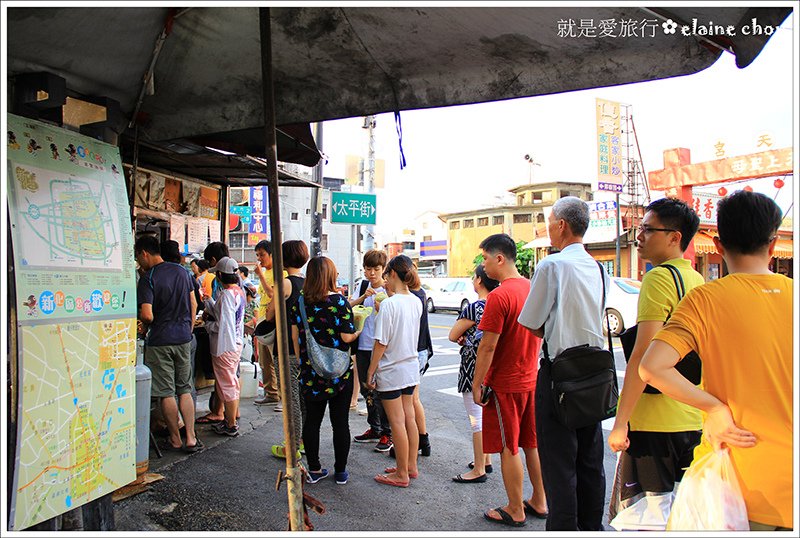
column 507, row 363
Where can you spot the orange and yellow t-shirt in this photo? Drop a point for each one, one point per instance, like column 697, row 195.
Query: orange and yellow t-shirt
column 741, row 326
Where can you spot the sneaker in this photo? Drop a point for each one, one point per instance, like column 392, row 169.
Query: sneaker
column 341, row 478
column 384, row 444
column 279, row 451
column 222, row 428
column 278, row 408
column 266, row 400
column 314, row 477
column 369, row 436
column 363, row 412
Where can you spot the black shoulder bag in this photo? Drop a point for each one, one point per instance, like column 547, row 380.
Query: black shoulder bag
column 583, row 381
column 690, row 366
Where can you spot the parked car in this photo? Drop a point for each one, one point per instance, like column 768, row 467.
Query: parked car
column 452, row 294
column 622, row 305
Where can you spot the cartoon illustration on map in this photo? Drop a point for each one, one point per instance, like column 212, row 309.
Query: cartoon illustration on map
column 77, row 431
column 66, row 220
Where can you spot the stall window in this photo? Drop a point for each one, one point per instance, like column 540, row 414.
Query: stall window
column 455, row 225
column 469, row 223
column 483, row 221
column 497, row 220
column 522, row 218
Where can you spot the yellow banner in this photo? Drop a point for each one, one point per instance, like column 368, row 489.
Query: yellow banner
column 609, row 146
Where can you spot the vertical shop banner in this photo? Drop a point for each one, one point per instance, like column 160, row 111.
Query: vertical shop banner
column 76, row 310
column 609, row 146
column 259, row 225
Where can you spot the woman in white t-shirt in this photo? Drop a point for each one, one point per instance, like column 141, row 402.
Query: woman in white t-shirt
column 394, row 368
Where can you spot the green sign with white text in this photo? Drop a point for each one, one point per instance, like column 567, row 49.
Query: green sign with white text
column 353, row 208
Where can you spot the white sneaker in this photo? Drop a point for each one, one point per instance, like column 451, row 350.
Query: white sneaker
column 279, row 408
column 363, row 412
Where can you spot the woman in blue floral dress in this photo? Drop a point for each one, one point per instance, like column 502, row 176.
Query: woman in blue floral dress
column 330, row 319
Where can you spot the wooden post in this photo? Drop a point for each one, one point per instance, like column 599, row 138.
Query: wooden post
column 294, row 476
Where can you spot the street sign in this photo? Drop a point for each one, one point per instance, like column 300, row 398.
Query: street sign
column 241, row 210
column 353, row 208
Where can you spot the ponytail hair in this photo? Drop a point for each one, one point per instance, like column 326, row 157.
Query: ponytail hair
column 405, row 270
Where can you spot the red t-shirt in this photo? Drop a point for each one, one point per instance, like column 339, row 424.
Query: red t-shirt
column 515, row 364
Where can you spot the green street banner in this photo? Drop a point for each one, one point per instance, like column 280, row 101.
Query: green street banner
column 353, row 208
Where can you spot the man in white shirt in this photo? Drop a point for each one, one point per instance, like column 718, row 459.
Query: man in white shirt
column 565, row 307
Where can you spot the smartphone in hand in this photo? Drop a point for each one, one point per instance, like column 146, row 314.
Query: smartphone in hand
column 486, row 394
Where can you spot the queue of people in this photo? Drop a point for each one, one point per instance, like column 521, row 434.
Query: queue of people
column 736, row 330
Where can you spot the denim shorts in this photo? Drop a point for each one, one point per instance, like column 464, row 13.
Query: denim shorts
column 395, row 394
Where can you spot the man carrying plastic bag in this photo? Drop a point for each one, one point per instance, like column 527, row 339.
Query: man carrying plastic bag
column 741, row 326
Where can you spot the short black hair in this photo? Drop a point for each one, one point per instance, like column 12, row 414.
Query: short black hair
column 747, row 222
column 264, row 245
column 147, row 243
column 216, row 250
column 203, row 265
column 170, row 251
column 500, row 244
column 488, row 282
column 244, row 270
column 676, row 215
column 228, row 278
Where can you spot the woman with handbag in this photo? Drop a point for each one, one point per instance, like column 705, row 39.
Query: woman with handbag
column 322, row 318
column 394, row 367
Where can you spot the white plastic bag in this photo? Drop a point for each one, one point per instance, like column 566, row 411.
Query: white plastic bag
column 709, row 497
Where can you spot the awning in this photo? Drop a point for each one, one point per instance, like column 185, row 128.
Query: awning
column 703, row 244
column 783, row 249
column 539, row 242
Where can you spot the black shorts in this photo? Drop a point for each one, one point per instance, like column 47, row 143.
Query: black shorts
column 395, row 394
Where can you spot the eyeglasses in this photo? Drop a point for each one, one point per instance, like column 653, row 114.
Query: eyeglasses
column 644, row 228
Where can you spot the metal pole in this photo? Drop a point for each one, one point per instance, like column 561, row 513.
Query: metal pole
column 618, row 270
column 316, row 214
column 294, row 476
column 352, row 258
column 369, row 236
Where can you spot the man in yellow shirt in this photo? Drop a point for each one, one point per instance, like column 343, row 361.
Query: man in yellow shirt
column 656, row 434
column 741, row 326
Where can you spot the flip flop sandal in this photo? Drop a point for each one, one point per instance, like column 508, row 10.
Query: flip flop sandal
column 383, row 479
column 391, row 470
column 530, row 510
column 206, row 420
column 198, row 445
column 505, row 518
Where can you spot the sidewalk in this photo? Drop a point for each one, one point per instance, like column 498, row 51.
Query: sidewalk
column 230, row 485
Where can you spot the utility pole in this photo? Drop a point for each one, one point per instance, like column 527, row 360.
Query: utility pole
column 316, row 202
column 369, row 124
column 532, row 163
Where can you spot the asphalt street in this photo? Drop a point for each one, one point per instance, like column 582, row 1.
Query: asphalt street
column 230, row 485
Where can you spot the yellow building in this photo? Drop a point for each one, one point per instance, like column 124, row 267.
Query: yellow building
column 466, row 229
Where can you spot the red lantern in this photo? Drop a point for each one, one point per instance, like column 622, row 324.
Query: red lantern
column 722, row 191
column 748, row 188
column 778, row 183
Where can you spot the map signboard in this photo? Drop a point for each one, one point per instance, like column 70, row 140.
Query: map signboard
column 76, row 305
